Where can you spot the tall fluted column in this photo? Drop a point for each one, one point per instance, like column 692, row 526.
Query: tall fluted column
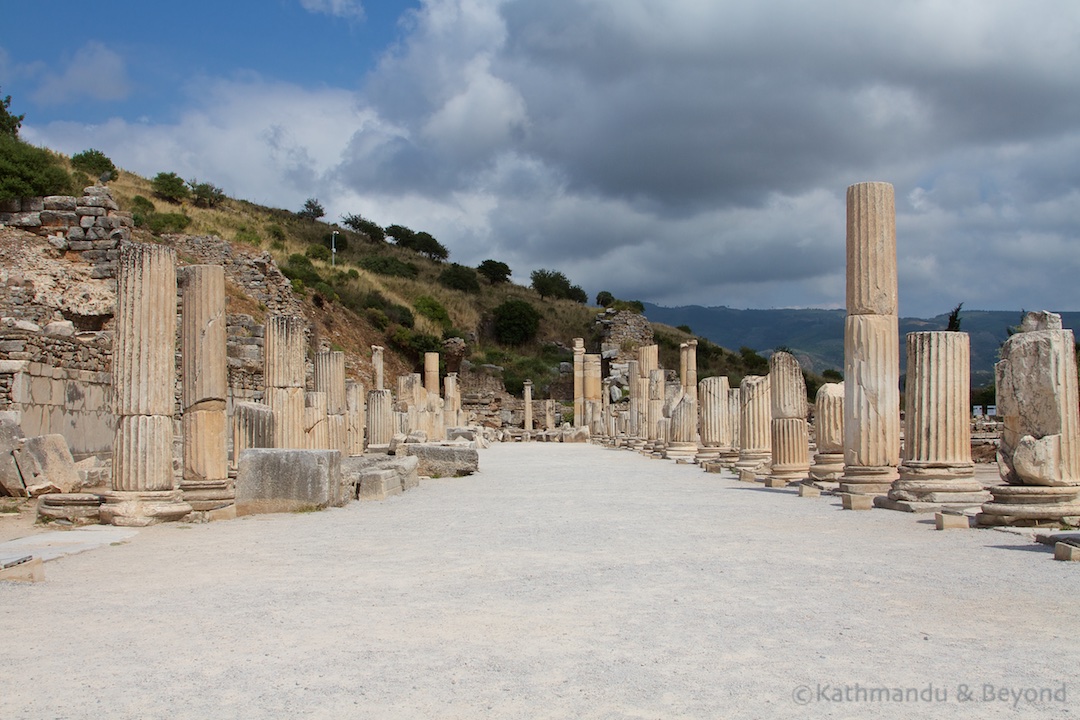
column 528, row 422
column 205, row 484
column 655, row 410
column 579, row 382
column 253, row 427
column 633, row 429
column 789, row 433
column 689, row 374
column 829, row 430
column 755, row 441
column 682, row 444
column 283, row 375
column 715, row 420
column 594, row 389
column 143, row 370
column 871, row 343
column 431, row 372
column 330, row 379
column 937, row 466
column 354, row 409
column 453, row 400
column 380, row 420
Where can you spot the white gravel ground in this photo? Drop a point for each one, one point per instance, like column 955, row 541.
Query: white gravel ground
column 562, row 581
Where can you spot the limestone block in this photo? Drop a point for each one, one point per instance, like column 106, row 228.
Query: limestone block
column 46, row 465
column 377, row 477
column 871, row 250
column 11, row 434
column 273, row 480
column 1067, row 552
column 853, row 501
column 443, row 460
column 951, row 521
column 205, row 452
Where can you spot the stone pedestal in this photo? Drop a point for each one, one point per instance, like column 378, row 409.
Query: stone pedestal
column 143, row 372
column 828, row 464
column 789, row 434
column 755, row 426
column 1039, row 451
column 937, row 471
column 871, row 344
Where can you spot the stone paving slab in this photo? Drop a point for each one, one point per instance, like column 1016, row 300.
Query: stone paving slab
column 61, row 543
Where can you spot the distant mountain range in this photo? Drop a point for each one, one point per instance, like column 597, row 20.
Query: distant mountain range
column 817, row 336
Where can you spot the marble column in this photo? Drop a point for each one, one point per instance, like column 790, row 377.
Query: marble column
column 431, row 372
column 655, row 410
column 316, row 423
column 527, row 425
column 829, row 431
column 330, row 379
column 355, row 412
column 594, row 389
column 283, row 375
column 377, row 366
column 689, row 369
column 204, row 389
column 380, row 420
column 633, row 430
column 937, row 467
column 682, row 442
column 579, row 382
column 755, row 429
column 871, row 343
column 549, row 415
column 648, row 360
column 1039, row 451
column 253, row 427
column 453, row 400
column 790, row 433
column 715, row 420
column 144, row 379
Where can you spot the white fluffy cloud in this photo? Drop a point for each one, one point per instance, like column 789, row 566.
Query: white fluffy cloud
column 94, row 72
column 337, row 8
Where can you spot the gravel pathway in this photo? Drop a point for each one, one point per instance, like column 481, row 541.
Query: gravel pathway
column 562, row 581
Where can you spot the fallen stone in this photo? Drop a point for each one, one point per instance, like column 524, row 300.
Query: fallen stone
column 851, row 501
column 11, row 482
column 46, row 465
column 440, row 461
column 377, row 477
column 25, row 569
column 952, row 521
column 1067, row 551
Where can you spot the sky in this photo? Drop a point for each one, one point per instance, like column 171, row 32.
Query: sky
column 672, row 151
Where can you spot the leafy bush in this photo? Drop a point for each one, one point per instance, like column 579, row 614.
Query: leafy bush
column 634, row 306
column 516, row 322
column 459, row 277
column 248, row 236
column 604, row 298
column 206, row 194
column 298, row 267
column 552, row 283
column 94, row 163
column 362, row 225
column 433, row 310
column 377, row 318
column 385, row 265
column 170, row 186
column 162, row 223
column 325, row 290
column 27, row 171
column 415, row 343
column 276, row 232
column 318, row 252
column 494, row 272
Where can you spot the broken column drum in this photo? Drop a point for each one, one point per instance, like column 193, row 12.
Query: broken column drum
column 431, row 372
column 204, row 387
column 790, row 435
column 594, row 389
column 937, row 465
column 755, row 432
column 143, row 369
column 829, row 430
column 871, row 343
column 380, row 419
column 356, row 415
column 330, row 379
column 715, row 419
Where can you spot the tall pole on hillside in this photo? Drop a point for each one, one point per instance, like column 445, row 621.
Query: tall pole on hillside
column 333, row 248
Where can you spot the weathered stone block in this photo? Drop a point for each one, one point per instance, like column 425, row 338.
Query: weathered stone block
column 1067, row 551
column 272, row 480
column 951, row 521
column 377, row 477
column 46, row 465
column 852, row 501
column 443, row 460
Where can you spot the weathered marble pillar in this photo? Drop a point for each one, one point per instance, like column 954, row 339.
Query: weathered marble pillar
column 755, row 427
column 937, row 467
column 453, row 400
column 316, row 425
column 431, row 372
column 871, row 343
column 355, row 412
column 1039, row 451
column 633, row 430
column 648, row 360
column 715, row 421
column 579, row 382
column 204, row 389
column 330, row 379
column 689, row 368
column 682, row 443
column 790, row 433
column 528, row 423
column 412, row 394
column 144, row 379
column 380, row 420
column 283, row 376
column 594, row 390
column 377, row 365
column 655, row 410
column 829, row 430
column 253, row 427
column 549, row 415
column 730, row 456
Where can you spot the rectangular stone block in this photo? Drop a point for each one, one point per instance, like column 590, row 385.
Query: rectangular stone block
column 1067, row 551
column 809, row 491
column 443, row 460
column 46, row 465
column 951, row 521
column 852, row 501
column 272, row 480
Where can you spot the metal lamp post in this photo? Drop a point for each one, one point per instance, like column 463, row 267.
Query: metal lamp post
column 333, row 248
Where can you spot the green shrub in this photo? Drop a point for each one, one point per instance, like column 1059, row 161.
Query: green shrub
column 170, row 186
column 318, row 252
column 299, row 267
column 325, row 290
column 163, row 223
column 385, row 265
column 276, row 232
column 353, row 274
column 141, row 204
column 459, row 277
column 27, row 171
column 433, row 310
column 206, row 194
column 516, row 322
column 377, row 318
column 94, row 163
column 248, row 236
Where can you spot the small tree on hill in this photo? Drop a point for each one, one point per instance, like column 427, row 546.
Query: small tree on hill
column 94, row 163
column 604, row 298
column 170, row 186
column 516, row 322
column 364, row 226
column 459, row 277
column 9, row 124
column 954, row 319
column 494, row 272
column 206, row 194
column 313, row 210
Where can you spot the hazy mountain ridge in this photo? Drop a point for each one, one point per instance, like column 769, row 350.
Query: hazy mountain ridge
column 817, row 336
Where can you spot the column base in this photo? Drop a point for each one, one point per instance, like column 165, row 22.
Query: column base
column 207, row 495
column 827, row 467
column 1031, row 506
column 681, row 451
column 139, row 509
column 864, row 480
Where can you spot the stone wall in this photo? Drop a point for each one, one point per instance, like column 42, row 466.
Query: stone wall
column 623, row 332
